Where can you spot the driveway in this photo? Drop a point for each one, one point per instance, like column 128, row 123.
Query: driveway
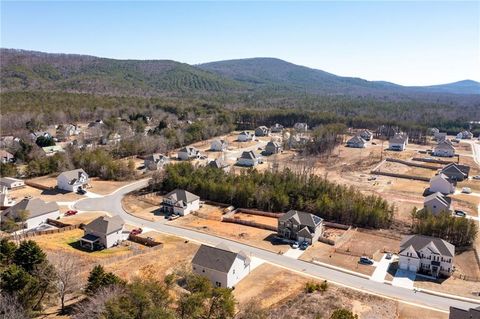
column 404, row 279
column 294, row 253
column 382, row 268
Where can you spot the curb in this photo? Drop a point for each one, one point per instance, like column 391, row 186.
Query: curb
column 460, row 298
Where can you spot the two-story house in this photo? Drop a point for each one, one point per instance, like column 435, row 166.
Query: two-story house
column 440, row 183
column 456, row 172
column 245, row 136
column 103, row 232
column 300, row 226
column 180, row 202
column 425, row 254
column 31, row 212
column 262, row 131
column 444, row 149
column 155, row 161
column 219, row 145
column 437, row 203
column 249, row 159
column 187, row 153
column 273, row 147
column 72, row 180
column 357, row 142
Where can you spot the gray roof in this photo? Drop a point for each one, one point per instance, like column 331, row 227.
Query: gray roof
column 218, row 163
column 182, row 195
column 190, row 150
column 438, row 196
column 156, row 157
column 444, row 146
column 457, row 313
column 456, row 168
column 272, row 144
column 9, row 180
column 397, row 138
column 419, row 241
column 34, row 206
column 357, row 139
column 305, row 219
column 73, row 174
column 217, row 258
column 105, row 225
column 248, row 155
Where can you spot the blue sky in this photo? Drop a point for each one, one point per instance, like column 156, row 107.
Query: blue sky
column 411, row 43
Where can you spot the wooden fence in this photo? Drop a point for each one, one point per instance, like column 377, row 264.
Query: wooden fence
column 405, row 176
column 377, row 233
column 39, row 186
column 336, row 225
column 207, row 216
column 326, row 241
column 259, row 213
column 248, row 223
column 431, row 160
column 116, row 259
column 413, row 164
column 465, row 277
column 144, row 241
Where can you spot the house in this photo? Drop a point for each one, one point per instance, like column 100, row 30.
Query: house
column 72, row 180
column 456, row 172
column 464, row 135
column 444, row 149
column 219, row 145
column 437, row 203
column 432, row 131
column 68, row 130
column 357, row 142
column 103, row 232
column 111, row 139
column 249, row 158
column 36, row 212
column 187, row 153
column 366, row 135
column 224, row 268
column 457, row 313
column 180, row 202
column 297, row 140
column 425, row 254
column 440, row 183
column 398, row 142
column 273, row 147
column 219, row 164
column 301, row 127
column 245, row 136
column 52, row 150
column 300, row 226
column 6, row 157
column 155, row 161
column 262, row 131
column 277, row 128
column 11, row 183
column 5, row 200
column 440, row 136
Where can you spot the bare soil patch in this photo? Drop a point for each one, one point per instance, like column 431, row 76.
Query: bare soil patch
column 103, row 187
column 265, row 220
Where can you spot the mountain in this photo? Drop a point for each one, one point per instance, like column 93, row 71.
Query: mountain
column 460, row 87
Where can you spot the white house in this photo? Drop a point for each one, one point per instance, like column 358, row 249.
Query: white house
column 180, row 202
column 221, row 266
column 72, row 180
column 456, row 172
column 245, row 136
column 219, row 164
column 103, row 232
column 52, row 150
column 437, row 203
column 273, row 147
column 440, row 183
column 440, row 136
column 37, row 212
column 5, row 200
column 277, row 128
column 398, row 142
column 444, row 149
column 429, row 255
column 357, row 142
column 249, row 159
column 219, row 145
column 188, row 152
column 464, row 135
column 302, row 127
column 262, row 131
column 155, row 161
column 6, row 157
column 11, row 183
column 366, row 135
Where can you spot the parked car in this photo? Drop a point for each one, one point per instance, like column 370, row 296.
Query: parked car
column 460, row 213
column 466, row 190
column 71, row 212
column 304, row 245
column 476, row 177
column 389, row 256
column 136, row 231
column 295, row 245
column 365, row 260
column 81, row 191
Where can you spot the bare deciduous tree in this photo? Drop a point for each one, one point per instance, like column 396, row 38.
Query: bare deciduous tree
column 94, row 306
column 10, row 308
column 67, row 278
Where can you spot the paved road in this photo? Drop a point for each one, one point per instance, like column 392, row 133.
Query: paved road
column 112, row 203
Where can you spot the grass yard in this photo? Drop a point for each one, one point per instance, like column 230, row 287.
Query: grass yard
column 146, row 209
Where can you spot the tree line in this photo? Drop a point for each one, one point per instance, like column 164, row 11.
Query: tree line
column 279, row 192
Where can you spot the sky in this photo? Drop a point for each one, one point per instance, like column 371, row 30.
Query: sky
column 409, row 43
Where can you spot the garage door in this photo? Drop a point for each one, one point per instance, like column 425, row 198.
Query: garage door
column 412, row 268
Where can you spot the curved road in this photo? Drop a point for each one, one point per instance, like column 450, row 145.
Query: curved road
column 112, row 204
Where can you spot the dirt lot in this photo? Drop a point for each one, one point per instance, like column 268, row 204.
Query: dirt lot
column 452, row 285
column 467, row 203
column 406, row 311
column 46, row 195
column 466, row 264
column 146, row 208
column 105, row 187
column 265, row 220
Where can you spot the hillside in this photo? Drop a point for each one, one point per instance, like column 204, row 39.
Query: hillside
column 460, row 87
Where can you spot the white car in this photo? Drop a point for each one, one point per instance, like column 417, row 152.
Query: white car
column 466, row 190
column 476, row 177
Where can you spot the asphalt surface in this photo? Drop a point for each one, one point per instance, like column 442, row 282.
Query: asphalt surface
column 112, row 204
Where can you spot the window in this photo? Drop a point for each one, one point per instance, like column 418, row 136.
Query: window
column 218, row 284
column 203, row 270
column 234, row 271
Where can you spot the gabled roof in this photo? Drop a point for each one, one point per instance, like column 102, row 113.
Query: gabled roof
column 357, row 139
column 441, row 177
column 189, row 150
column 105, row 225
column 34, row 206
column 438, row 197
column 443, row 145
column 156, row 158
column 217, row 258
column 73, row 175
column 223, row 142
column 182, row 195
column 218, row 163
column 419, row 241
column 302, row 218
column 272, row 143
column 304, row 232
column 456, row 168
column 245, row 133
column 397, row 139
column 248, row 155
column 9, row 180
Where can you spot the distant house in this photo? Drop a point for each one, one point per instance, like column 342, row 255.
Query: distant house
column 465, row 135
column 219, row 145
column 68, row 130
column 249, row 159
column 277, row 128
column 245, row 136
column 37, row 212
column 444, row 149
column 103, row 232
column 52, row 150
column 180, row 202
column 219, row 164
column 301, row 127
column 155, row 161
column 6, row 157
column 273, row 147
column 111, row 139
column 429, row 255
column 456, row 172
column 357, row 142
column 440, row 183
column 5, row 200
column 11, row 183
column 366, row 135
column 221, row 266
column 437, row 203
column 262, row 131
column 187, row 153
column 72, row 180
column 398, row 142
column 432, row 131
column 440, row 136
column 457, row 313
column 300, row 226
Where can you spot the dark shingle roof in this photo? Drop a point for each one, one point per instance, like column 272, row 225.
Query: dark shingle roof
column 73, row 174
column 34, row 206
column 106, row 225
column 305, row 219
column 420, row 241
column 216, row 258
column 182, row 195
